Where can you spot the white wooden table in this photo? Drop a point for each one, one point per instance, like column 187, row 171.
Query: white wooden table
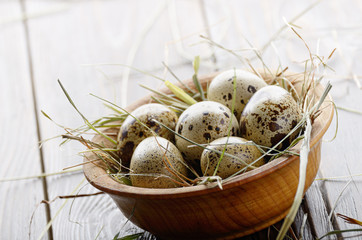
column 42, row 41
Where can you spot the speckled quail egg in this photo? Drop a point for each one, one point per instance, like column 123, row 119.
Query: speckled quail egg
column 132, row 132
column 236, row 146
column 269, row 116
column 222, row 87
column 148, row 164
column 202, row 123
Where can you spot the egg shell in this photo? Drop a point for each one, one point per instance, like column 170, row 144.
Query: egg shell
column 148, row 164
column 132, row 132
column 202, row 123
column 221, row 88
column 239, row 147
column 269, row 116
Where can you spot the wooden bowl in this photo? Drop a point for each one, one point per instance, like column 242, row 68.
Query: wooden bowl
column 248, row 202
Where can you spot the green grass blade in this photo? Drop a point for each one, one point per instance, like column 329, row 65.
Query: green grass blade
column 84, row 118
column 196, row 64
column 339, row 232
column 165, row 96
column 131, row 237
column 180, row 93
column 181, row 82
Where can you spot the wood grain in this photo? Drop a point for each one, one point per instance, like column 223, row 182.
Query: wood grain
column 322, row 32
column 93, row 33
column 317, row 211
column 66, row 34
column 344, row 163
column 18, row 133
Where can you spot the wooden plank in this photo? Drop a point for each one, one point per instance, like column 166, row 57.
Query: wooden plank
column 317, row 211
column 342, row 158
column 88, row 33
column 18, row 133
column 317, row 27
column 301, row 226
column 97, row 32
column 247, row 20
column 257, row 21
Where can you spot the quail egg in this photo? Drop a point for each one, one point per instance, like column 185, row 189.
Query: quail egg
column 202, row 123
column 222, row 87
column 152, row 162
column 132, row 132
column 236, row 146
column 269, row 116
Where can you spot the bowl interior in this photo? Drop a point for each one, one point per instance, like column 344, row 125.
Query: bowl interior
column 98, row 177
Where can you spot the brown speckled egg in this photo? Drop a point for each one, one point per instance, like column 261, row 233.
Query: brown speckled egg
column 202, row 123
column 239, row 147
column 132, row 132
column 148, row 164
column 269, row 116
column 222, row 87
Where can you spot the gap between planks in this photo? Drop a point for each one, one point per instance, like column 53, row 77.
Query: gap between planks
column 35, row 108
column 317, row 191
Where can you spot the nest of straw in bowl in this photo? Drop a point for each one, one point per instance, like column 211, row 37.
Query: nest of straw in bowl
column 279, row 176
column 308, row 95
column 251, row 200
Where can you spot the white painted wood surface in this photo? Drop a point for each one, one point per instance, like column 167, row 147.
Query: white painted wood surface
column 64, row 36
column 18, row 132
